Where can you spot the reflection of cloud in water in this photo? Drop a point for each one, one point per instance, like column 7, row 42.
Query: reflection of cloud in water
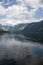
column 24, row 52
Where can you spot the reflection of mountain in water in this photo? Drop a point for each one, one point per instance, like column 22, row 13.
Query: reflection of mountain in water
column 20, row 37
column 28, row 56
column 8, row 62
column 15, row 51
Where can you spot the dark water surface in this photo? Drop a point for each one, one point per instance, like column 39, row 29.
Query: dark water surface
column 16, row 50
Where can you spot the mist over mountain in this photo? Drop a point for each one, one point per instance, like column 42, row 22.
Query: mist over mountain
column 11, row 28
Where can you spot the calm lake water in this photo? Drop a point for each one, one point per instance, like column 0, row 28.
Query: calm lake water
column 25, row 52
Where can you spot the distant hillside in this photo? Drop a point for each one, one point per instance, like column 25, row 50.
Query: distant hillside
column 34, row 31
column 18, row 28
column 3, row 29
column 12, row 29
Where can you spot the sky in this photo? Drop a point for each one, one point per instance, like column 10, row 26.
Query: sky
column 20, row 11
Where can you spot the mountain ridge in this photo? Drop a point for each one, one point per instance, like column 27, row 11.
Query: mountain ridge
column 34, row 31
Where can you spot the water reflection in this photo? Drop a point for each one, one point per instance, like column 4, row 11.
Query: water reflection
column 23, row 51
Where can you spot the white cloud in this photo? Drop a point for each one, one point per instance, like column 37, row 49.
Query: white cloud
column 19, row 13
column 9, row 21
column 32, row 3
column 2, row 10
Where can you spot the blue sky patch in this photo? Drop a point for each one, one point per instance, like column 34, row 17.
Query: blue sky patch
column 39, row 13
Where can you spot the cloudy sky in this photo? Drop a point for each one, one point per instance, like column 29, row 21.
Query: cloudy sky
column 20, row 11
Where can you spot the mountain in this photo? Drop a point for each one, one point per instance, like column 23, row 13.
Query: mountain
column 34, row 31
column 14, row 29
column 18, row 28
column 3, row 29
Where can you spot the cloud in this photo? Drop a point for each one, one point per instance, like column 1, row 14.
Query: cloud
column 2, row 10
column 21, row 11
column 18, row 12
column 41, row 1
column 9, row 21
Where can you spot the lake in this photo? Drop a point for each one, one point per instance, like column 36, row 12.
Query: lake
column 25, row 52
